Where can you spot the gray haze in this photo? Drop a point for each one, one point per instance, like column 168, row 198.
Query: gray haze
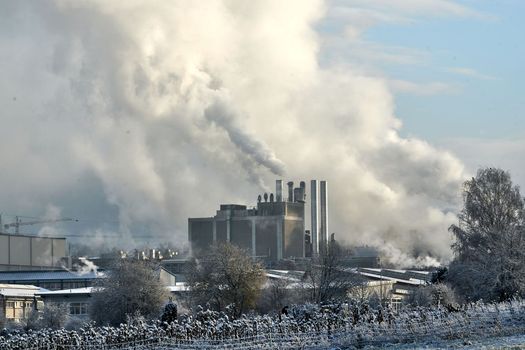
column 137, row 115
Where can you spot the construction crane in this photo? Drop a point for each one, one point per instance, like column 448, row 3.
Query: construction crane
column 18, row 222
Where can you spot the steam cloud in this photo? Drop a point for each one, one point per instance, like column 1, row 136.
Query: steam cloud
column 159, row 111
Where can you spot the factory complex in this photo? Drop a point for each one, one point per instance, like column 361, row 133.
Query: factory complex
column 273, row 230
column 39, row 270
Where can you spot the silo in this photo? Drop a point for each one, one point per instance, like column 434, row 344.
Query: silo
column 279, row 190
column 314, row 217
column 302, row 186
column 323, row 203
column 290, row 191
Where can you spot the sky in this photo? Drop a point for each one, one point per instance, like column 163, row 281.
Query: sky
column 456, row 69
column 132, row 116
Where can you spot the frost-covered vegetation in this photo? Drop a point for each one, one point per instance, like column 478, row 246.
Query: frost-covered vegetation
column 489, row 246
column 308, row 326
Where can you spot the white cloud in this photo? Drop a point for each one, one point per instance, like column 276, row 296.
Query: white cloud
column 423, row 89
column 502, row 153
column 469, row 72
column 416, row 8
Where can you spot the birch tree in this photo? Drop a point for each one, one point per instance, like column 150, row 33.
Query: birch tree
column 489, row 243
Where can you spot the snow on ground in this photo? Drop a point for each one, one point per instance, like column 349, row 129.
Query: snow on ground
column 495, row 343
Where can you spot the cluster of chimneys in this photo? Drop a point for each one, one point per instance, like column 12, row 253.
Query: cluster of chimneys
column 297, row 194
column 319, row 206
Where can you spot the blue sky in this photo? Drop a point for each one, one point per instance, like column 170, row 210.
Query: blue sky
column 457, row 70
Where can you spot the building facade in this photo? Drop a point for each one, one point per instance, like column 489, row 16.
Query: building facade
column 272, row 231
column 22, row 252
column 18, row 301
column 52, row 280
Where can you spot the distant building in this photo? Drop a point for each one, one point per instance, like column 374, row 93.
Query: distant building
column 400, row 283
column 22, row 252
column 77, row 300
column 18, row 301
column 177, row 267
column 273, row 231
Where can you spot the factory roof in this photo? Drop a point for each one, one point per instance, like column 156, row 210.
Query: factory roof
column 293, row 276
column 86, row 290
column 12, row 276
column 409, row 277
column 19, row 290
column 178, row 287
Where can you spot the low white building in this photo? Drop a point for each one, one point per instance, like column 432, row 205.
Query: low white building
column 18, row 301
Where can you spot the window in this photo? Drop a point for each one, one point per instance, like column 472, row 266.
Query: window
column 10, row 309
column 51, row 285
column 18, row 309
column 72, row 285
column 78, row 308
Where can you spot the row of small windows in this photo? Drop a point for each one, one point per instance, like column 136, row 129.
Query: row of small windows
column 18, row 309
column 57, row 285
column 22, row 309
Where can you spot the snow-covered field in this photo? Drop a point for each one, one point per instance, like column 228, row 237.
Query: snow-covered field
column 476, row 326
column 493, row 343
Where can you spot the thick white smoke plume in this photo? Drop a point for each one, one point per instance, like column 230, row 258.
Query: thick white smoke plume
column 168, row 108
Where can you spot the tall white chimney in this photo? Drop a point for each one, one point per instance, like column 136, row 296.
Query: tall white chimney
column 279, row 190
column 323, row 227
column 314, row 228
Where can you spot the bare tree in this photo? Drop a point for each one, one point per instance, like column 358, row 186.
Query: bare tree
column 326, row 277
column 490, row 242
column 131, row 287
column 226, row 276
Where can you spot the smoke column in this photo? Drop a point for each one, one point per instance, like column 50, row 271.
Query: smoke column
column 162, row 110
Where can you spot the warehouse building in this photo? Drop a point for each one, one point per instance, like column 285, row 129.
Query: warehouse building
column 273, row 230
column 22, row 252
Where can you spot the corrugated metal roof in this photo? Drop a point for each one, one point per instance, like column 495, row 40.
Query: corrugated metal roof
column 18, row 290
column 86, row 290
column 178, row 287
column 8, row 276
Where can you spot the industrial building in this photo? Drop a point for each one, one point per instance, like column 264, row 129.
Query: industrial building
column 22, row 252
column 18, row 301
column 273, row 230
column 52, row 280
column 77, row 297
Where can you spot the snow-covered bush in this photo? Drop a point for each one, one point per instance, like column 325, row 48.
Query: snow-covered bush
column 55, row 315
column 307, row 326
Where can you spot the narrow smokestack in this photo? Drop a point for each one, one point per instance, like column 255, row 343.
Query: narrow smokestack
column 302, row 185
column 279, row 190
column 323, row 227
column 314, row 217
column 290, row 191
